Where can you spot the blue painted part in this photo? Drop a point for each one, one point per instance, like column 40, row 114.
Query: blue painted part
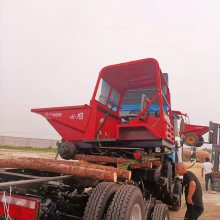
column 130, row 107
column 136, row 107
column 171, row 156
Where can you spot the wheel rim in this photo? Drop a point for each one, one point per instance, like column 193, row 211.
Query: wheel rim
column 190, row 139
column 136, row 213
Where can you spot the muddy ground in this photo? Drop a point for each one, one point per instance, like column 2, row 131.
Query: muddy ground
column 211, row 201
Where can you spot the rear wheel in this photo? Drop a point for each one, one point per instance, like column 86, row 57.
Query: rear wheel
column 148, row 211
column 99, row 201
column 200, row 142
column 160, row 212
column 127, row 204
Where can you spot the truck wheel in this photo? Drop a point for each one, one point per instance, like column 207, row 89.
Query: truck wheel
column 191, row 139
column 160, row 212
column 177, row 190
column 148, row 211
column 200, row 142
column 127, row 204
column 99, row 201
column 67, row 150
column 177, row 204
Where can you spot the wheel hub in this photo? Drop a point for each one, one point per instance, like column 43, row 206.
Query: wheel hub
column 136, row 213
column 190, row 139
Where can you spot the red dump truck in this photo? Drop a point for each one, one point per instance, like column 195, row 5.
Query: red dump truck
column 129, row 118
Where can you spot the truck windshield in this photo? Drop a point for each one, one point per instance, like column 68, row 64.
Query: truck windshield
column 107, row 95
column 132, row 101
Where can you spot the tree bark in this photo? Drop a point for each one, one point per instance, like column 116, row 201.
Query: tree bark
column 52, row 166
column 81, row 168
column 117, row 160
column 122, row 174
column 101, row 159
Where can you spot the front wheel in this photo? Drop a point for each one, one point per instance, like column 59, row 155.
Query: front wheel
column 67, row 150
column 177, row 191
column 127, row 204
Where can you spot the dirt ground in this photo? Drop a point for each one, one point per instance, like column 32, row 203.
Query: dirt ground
column 21, row 153
column 211, row 201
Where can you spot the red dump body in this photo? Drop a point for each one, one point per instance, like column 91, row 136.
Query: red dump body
column 70, row 121
column 199, row 130
column 117, row 96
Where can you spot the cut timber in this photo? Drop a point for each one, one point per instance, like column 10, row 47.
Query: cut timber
column 121, row 173
column 64, row 168
column 117, row 160
column 101, row 159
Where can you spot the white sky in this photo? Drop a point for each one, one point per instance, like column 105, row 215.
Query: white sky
column 51, row 52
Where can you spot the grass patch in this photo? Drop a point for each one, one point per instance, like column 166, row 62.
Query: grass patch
column 29, row 148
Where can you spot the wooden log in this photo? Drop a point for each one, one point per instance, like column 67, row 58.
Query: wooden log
column 146, row 165
column 122, row 174
column 50, row 165
column 100, row 159
column 117, row 160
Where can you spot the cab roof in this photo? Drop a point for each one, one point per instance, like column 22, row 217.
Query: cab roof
column 132, row 75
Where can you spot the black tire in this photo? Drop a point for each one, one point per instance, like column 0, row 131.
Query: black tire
column 99, row 201
column 148, row 211
column 126, row 201
column 67, row 150
column 177, row 204
column 200, row 142
column 160, row 212
column 177, row 190
column 177, row 207
column 191, row 139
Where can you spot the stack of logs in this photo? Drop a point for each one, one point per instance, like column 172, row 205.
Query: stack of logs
column 82, row 166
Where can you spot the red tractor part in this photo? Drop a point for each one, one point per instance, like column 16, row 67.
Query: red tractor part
column 130, row 106
column 191, row 134
column 128, row 124
column 70, row 122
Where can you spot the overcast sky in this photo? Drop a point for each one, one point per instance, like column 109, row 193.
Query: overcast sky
column 51, row 52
